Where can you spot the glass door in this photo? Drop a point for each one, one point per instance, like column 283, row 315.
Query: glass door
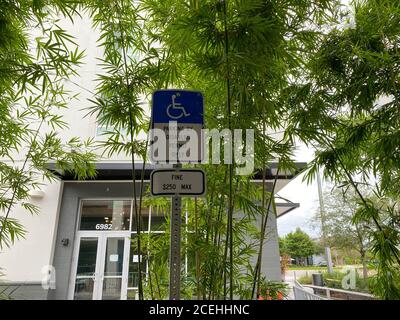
column 114, row 276
column 100, row 266
column 85, row 278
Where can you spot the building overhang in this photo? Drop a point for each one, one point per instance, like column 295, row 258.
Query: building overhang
column 123, row 171
column 282, row 178
column 284, row 207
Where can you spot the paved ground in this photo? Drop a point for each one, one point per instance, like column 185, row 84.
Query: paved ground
column 291, row 275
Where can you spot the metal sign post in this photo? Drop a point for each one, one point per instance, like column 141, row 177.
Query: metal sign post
column 175, row 247
column 185, row 109
column 176, row 182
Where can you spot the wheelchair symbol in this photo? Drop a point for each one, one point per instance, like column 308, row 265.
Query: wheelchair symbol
column 176, row 107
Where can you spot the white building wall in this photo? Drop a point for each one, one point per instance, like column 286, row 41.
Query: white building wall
column 23, row 261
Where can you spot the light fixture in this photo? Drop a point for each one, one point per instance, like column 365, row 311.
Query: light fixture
column 36, row 194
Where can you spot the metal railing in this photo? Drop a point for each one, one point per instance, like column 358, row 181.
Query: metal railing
column 344, row 294
column 300, row 293
column 12, row 290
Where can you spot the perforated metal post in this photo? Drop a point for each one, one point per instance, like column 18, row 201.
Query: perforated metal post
column 175, row 248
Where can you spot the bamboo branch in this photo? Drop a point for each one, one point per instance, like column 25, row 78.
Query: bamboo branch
column 257, row 268
column 230, row 166
column 137, row 214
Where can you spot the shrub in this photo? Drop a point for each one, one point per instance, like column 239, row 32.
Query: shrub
column 307, row 279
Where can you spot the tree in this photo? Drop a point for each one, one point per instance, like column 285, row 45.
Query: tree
column 298, row 245
column 243, row 55
column 282, row 246
column 240, row 55
column 340, row 230
column 32, row 73
column 347, row 108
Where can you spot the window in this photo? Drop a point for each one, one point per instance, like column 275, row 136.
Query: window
column 157, row 220
column 105, row 215
column 102, row 131
column 152, row 219
column 144, row 217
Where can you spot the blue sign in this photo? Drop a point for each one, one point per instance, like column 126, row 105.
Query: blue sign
column 181, row 106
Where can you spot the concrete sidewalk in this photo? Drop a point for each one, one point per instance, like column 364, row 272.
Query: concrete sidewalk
column 291, row 276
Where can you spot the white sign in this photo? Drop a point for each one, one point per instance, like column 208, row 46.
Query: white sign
column 178, row 182
column 114, row 257
column 135, row 258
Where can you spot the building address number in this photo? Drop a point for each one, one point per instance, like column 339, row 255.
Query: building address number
column 103, row 226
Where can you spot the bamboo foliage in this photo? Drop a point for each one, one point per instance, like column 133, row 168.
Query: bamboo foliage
column 32, row 75
column 236, row 53
column 158, row 44
column 268, row 65
column 347, row 109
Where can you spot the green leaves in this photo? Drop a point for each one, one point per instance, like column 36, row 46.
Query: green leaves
column 346, row 108
column 32, row 93
column 11, row 231
column 298, row 244
column 268, row 43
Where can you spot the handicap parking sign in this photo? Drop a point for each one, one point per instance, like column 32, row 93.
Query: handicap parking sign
column 184, row 108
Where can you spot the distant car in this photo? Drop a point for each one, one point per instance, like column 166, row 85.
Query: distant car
column 324, row 264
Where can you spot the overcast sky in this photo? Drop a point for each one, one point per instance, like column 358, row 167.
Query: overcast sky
column 299, row 192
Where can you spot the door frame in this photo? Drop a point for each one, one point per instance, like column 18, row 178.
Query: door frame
column 102, row 237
